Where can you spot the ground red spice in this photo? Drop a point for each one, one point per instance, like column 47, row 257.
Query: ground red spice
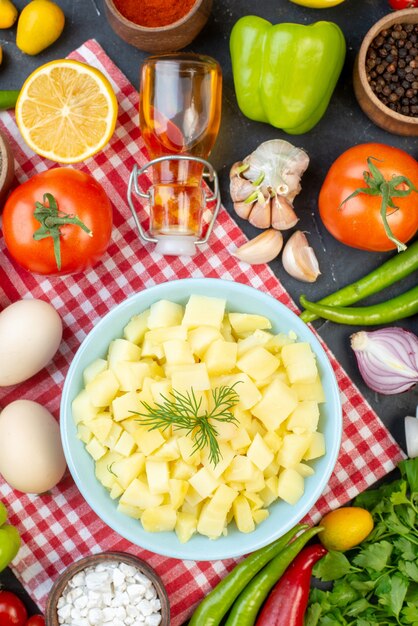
column 154, row 13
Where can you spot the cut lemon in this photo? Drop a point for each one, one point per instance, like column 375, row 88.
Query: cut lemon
column 66, row 111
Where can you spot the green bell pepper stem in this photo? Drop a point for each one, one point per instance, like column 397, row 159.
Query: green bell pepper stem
column 285, row 74
column 9, row 545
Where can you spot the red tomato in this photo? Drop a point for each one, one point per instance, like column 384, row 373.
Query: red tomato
column 357, row 222
column 12, row 610
column 397, row 5
column 36, row 620
column 76, row 194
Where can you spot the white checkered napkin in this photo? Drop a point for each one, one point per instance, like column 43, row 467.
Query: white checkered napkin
column 59, row 527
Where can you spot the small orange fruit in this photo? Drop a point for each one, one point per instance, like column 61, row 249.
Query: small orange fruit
column 345, row 528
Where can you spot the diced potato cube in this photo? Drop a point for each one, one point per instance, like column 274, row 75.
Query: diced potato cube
column 160, row 335
column 273, row 440
column 113, row 435
column 270, row 492
column 304, row 418
column 299, row 361
column 257, row 338
column 291, row 486
column 125, row 444
column 186, row 377
column 226, row 329
column 125, row 405
column 241, row 469
column 293, row 449
column 123, row 350
column 136, row 328
column 138, row 494
column 243, row 515
column 304, row 470
column 276, row 343
column 153, row 350
column 116, row 490
column 258, row 363
column 200, row 339
column 220, row 357
column 177, row 490
column 186, row 525
column 169, row 451
column 204, row 311
column 204, row 482
column 212, row 518
column 243, row 416
column 241, row 440
column 243, row 323
column 182, row 470
column 128, row 468
column 253, row 499
column 259, row 453
column 257, row 482
column 161, row 390
column 95, row 448
column 178, row 352
column 193, row 497
column 277, row 403
column 159, row 519
column 247, row 391
column 101, row 426
column 260, row 515
column 103, row 388
column 164, row 313
column 91, row 371
column 131, row 374
column 316, row 448
column 129, row 510
column 227, row 454
column 82, row 408
column 310, row 391
column 84, row 433
column 187, row 450
column 227, row 431
column 104, row 468
column 272, row 470
column 157, row 475
column 256, row 427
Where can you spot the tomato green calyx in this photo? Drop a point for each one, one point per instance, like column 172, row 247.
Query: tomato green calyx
column 377, row 185
column 51, row 219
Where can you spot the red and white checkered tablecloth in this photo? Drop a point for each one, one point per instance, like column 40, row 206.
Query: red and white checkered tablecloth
column 59, row 527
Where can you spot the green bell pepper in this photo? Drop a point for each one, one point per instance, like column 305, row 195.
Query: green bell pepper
column 9, row 540
column 285, row 74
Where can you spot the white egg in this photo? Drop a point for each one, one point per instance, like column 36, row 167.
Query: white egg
column 31, row 455
column 30, row 334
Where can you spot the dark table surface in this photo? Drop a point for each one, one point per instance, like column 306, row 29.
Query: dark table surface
column 343, row 125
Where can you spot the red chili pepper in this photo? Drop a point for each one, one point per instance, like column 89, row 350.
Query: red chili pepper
column 287, row 602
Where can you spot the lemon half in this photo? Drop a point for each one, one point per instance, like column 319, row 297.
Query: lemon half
column 66, row 111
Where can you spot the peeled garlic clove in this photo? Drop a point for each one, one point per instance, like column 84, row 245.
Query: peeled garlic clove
column 260, row 215
column 299, row 259
column 283, row 216
column 262, row 249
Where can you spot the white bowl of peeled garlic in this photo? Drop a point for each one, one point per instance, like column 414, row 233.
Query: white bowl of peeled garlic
column 201, row 419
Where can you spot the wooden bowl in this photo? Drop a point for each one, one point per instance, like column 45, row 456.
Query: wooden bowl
column 169, row 38
column 51, row 615
column 376, row 110
column 7, row 168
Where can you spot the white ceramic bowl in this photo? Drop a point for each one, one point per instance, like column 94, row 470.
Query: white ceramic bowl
column 283, row 516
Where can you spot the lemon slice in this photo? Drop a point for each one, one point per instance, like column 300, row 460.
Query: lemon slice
column 66, row 111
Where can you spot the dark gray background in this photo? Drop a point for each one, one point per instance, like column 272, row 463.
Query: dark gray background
column 343, row 125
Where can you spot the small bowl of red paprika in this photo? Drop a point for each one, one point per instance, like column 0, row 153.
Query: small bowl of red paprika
column 158, row 25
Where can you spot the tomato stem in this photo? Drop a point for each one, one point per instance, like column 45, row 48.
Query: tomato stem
column 51, row 218
column 377, row 185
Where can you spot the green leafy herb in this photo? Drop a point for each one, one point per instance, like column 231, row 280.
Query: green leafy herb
column 376, row 583
column 184, row 411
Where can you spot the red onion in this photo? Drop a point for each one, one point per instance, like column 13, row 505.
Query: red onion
column 387, row 359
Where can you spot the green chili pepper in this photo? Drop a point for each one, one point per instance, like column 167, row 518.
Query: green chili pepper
column 3, row 514
column 212, row 609
column 9, row 540
column 245, row 609
column 285, row 74
column 392, row 310
column 8, row 98
column 396, row 268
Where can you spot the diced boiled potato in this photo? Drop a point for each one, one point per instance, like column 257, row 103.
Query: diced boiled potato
column 304, row 418
column 204, row 482
column 125, row 444
column 186, row 525
column 290, row 486
column 259, row 453
column 138, row 494
column 101, row 426
column 257, row 338
column 277, row 403
column 113, row 435
column 310, row 391
column 84, row 433
column 91, row 371
column 258, row 363
column 227, row 454
column 200, row 339
column 273, row 440
column 123, row 350
column 304, row 470
column 272, row 469
column 186, row 377
column 253, row 499
column 243, row 323
column 257, row 482
column 136, row 328
column 103, row 389
column 316, row 448
column 241, row 469
column 126, row 405
column 169, row 451
column 241, row 440
column 82, row 408
column 259, row 515
column 220, row 357
column 129, row 510
column 243, row 416
column 116, row 490
column 182, row 470
column 178, row 352
column 157, row 475
column 294, row 448
column 128, row 468
column 243, row 515
column 160, row 335
column 159, row 519
column 131, row 374
column 256, row 427
column 227, row 431
column 161, row 391
column 299, row 361
column 193, row 497
column 270, row 492
column 95, row 448
column 247, row 391
column 145, row 395
column 177, row 490
column 187, row 450
column 103, row 468
column 153, row 350
column 276, row 343
column 212, row 518
column 226, row 329
column 165, row 313
column 204, row 311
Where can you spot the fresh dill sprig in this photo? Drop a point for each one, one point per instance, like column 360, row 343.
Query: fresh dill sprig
column 182, row 411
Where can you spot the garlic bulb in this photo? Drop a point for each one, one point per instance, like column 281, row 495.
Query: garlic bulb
column 264, row 185
column 299, row 259
column 262, row 249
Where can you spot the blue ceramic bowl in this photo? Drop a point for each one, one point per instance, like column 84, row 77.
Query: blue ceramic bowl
column 283, row 516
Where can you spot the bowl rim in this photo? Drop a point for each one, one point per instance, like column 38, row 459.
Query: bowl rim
column 212, row 550
column 387, row 20
column 153, row 29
